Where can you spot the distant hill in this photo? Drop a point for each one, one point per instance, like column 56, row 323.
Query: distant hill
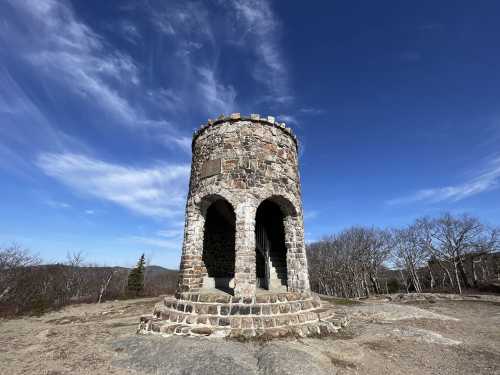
column 157, row 269
column 149, row 269
column 39, row 288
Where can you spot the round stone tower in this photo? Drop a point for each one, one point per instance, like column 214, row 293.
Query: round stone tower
column 244, row 224
column 243, row 268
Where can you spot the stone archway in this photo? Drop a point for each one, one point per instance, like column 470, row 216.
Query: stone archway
column 270, row 247
column 219, row 234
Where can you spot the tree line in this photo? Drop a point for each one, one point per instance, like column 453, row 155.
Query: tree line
column 446, row 253
column 28, row 286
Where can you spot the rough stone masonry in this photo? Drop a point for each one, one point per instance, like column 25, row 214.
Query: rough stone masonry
column 243, row 267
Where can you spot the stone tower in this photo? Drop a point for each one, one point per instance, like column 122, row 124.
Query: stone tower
column 244, row 224
column 243, row 267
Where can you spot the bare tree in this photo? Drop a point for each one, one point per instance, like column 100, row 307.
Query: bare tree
column 104, row 286
column 453, row 251
column 348, row 264
column 409, row 254
column 13, row 261
column 451, row 239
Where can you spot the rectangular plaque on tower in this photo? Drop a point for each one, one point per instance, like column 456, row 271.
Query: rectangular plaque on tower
column 210, row 168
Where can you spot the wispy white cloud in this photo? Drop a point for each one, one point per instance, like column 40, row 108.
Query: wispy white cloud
column 163, row 24
column 158, row 191
column 184, row 143
column 217, row 97
column 186, row 48
column 12, row 161
column 129, row 31
column 184, row 20
column 190, row 29
column 22, row 120
column 165, row 98
column 261, row 31
column 69, row 51
column 69, row 55
column 198, row 34
column 488, row 179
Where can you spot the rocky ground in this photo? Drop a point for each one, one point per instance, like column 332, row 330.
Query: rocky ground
column 404, row 336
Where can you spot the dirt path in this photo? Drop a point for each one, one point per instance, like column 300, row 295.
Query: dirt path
column 418, row 337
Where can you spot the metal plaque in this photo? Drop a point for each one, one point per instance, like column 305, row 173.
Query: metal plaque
column 210, row 168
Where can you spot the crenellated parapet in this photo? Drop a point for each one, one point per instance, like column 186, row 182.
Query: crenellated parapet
column 255, row 118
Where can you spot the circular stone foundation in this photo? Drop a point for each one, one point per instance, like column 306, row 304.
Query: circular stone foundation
column 216, row 313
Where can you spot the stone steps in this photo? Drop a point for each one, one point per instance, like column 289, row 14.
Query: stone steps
column 264, row 297
column 238, row 308
column 278, row 268
column 271, row 314
column 245, row 321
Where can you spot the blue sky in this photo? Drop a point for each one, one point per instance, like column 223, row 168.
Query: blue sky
column 396, row 105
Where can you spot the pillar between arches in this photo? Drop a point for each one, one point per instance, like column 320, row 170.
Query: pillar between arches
column 244, row 269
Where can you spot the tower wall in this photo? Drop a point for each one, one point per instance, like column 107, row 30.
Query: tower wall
column 244, row 161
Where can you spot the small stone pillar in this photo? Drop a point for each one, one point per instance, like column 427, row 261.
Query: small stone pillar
column 244, row 280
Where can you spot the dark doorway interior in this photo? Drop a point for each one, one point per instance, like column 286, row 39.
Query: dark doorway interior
column 218, row 243
column 271, row 270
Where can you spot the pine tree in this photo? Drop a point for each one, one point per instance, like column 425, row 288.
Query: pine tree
column 135, row 284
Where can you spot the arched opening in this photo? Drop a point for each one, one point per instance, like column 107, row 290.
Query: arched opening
column 270, row 249
column 218, row 245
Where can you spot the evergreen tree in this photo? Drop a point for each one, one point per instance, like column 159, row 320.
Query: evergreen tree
column 135, row 282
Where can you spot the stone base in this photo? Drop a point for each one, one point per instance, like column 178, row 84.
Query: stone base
column 267, row 314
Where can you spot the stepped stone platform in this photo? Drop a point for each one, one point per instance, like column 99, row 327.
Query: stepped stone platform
column 267, row 314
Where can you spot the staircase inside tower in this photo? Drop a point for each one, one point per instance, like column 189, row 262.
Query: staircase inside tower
column 271, row 268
